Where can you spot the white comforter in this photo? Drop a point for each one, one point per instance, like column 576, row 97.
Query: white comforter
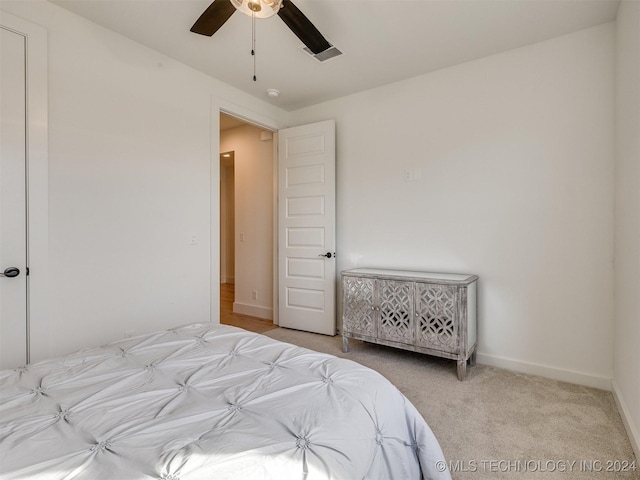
column 209, row 402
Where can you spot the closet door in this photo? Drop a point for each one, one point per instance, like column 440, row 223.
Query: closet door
column 13, row 208
column 24, row 192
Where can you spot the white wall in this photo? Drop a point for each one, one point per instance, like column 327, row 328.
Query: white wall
column 515, row 154
column 131, row 142
column 253, row 174
column 626, row 358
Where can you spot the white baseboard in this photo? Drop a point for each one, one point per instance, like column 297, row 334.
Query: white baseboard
column 595, row 381
column 632, row 431
column 253, row 310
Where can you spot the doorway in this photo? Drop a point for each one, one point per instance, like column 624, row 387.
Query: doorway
column 246, row 224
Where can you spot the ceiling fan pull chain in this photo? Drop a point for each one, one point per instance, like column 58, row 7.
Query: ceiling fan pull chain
column 253, row 43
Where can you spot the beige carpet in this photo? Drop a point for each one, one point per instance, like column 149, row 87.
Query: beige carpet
column 499, row 424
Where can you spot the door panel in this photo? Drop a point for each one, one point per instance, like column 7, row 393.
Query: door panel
column 359, row 306
column 13, row 250
column 437, row 317
column 306, row 232
column 396, row 311
column 305, row 268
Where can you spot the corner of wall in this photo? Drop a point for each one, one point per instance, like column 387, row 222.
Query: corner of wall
column 634, row 434
column 626, row 357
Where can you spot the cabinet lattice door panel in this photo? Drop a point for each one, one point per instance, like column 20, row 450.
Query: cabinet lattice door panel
column 432, row 313
column 436, row 316
column 359, row 305
column 396, row 311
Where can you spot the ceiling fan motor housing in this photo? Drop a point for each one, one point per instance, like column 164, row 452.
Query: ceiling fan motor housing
column 258, row 8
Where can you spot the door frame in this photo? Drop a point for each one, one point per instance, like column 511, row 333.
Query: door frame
column 220, row 105
column 224, row 218
column 37, row 183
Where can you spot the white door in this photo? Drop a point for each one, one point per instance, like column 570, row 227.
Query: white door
column 306, row 234
column 13, row 241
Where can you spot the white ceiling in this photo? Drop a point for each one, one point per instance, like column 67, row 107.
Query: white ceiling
column 383, row 41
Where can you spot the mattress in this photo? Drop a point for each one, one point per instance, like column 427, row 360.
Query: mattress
column 209, row 401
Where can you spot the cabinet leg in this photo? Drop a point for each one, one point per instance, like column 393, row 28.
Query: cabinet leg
column 462, row 369
column 472, row 359
column 345, row 344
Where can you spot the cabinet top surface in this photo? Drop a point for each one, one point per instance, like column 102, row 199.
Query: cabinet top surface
column 408, row 274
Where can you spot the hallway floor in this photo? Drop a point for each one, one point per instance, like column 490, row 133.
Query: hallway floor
column 227, row 317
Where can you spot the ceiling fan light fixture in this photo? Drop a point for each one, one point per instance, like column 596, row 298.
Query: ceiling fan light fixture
column 258, row 8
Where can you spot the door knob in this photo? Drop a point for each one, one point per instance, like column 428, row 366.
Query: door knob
column 328, row 255
column 10, row 272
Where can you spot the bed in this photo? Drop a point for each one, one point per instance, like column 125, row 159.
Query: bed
column 209, row 401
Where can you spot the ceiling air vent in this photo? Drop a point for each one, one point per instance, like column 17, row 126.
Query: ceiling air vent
column 329, row 53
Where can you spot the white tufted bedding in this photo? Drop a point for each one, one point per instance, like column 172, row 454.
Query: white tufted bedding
column 209, row 402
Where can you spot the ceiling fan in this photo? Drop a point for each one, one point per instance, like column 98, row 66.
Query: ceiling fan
column 221, row 10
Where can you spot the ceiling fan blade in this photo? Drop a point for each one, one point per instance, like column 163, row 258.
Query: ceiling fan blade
column 213, row 17
column 302, row 27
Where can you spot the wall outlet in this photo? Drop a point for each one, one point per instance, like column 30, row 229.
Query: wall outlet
column 254, row 294
column 242, row 237
column 412, row 175
column 194, row 239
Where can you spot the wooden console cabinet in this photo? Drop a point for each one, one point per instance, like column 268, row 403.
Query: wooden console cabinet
column 432, row 313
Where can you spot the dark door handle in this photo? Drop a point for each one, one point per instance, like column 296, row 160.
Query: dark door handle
column 10, row 272
column 328, row 255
